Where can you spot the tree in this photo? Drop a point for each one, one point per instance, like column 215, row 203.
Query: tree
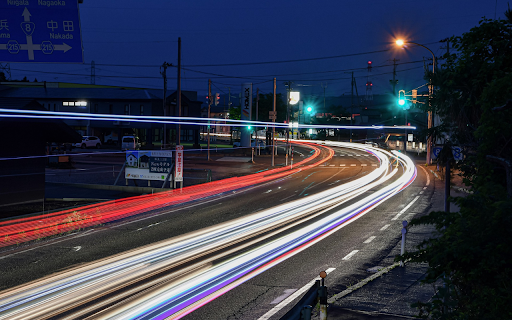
column 2, row 77
column 234, row 113
column 471, row 253
column 266, row 104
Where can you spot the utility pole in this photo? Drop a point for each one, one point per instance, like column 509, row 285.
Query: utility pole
column 324, row 87
column 93, row 72
column 274, row 127
column 165, row 65
column 288, row 89
column 229, row 107
column 6, row 69
column 352, row 105
column 209, row 106
column 178, row 131
column 394, row 82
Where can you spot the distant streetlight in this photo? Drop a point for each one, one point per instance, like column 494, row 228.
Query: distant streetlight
column 401, row 43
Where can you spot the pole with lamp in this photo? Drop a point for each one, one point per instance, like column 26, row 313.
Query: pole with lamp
column 401, row 43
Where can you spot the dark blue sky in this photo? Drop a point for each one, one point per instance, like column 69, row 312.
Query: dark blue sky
column 141, row 35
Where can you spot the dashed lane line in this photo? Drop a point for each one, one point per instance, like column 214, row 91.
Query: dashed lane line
column 350, row 255
column 370, row 239
column 406, row 208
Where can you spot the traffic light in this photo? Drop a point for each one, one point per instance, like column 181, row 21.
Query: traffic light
column 309, row 109
column 217, row 98
column 401, row 97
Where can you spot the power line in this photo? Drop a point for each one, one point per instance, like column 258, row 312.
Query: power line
column 287, row 61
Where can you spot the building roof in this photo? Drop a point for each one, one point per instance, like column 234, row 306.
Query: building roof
column 41, row 91
column 80, row 93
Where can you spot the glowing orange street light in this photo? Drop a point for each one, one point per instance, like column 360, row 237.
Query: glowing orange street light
column 401, row 43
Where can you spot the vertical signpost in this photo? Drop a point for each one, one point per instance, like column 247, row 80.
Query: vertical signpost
column 40, row 31
column 178, row 174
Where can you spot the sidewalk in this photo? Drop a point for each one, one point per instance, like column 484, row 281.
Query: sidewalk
column 389, row 296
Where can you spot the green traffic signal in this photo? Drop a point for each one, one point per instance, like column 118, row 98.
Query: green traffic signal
column 401, row 97
column 309, row 109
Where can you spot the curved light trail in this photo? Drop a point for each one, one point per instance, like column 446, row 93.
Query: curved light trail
column 38, row 114
column 15, row 231
column 179, row 275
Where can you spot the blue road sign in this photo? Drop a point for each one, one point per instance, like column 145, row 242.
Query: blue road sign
column 436, row 151
column 456, row 152
column 40, row 31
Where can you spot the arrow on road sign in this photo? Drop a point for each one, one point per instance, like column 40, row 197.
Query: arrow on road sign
column 26, row 15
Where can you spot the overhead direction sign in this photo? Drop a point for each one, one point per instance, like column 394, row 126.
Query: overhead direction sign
column 40, row 31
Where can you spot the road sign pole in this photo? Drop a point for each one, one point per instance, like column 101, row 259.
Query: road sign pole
column 402, row 248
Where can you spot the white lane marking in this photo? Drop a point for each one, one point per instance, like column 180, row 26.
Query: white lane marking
column 286, row 293
column 342, row 165
column 421, row 192
column 426, row 173
column 385, row 227
column 363, row 164
column 77, row 248
column 353, row 165
column 288, row 300
column 370, row 239
column 332, row 165
column 374, row 165
column 348, row 256
column 424, row 188
column 406, row 208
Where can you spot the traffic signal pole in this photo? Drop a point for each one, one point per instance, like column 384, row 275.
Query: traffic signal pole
column 209, row 106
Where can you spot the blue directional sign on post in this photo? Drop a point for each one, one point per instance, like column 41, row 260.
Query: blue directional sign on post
column 40, row 31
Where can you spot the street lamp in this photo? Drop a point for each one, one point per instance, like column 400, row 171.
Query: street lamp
column 401, row 43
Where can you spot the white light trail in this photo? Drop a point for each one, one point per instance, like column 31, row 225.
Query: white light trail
column 261, row 239
column 35, row 114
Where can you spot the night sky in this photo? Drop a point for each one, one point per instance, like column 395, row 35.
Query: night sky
column 129, row 40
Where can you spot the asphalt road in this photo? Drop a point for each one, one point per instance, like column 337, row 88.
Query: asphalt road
column 373, row 236
column 258, row 295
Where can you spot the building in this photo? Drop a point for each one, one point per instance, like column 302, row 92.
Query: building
column 23, row 155
column 65, row 97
